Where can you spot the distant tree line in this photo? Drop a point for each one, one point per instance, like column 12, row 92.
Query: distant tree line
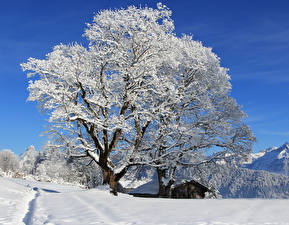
column 50, row 165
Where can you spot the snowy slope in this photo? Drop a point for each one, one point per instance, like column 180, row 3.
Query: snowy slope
column 271, row 160
column 263, row 176
column 14, row 202
column 246, row 183
column 57, row 204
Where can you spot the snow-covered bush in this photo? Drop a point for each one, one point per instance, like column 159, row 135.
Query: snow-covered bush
column 2, row 174
column 53, row 165
column 9, row 162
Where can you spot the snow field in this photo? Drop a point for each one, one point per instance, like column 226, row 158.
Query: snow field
column 62, row 205
column 14, row 202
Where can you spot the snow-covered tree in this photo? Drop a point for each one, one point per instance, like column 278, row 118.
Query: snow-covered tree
column 28, row 160
column 56, row 166
column 9, row 162
column 138, row 94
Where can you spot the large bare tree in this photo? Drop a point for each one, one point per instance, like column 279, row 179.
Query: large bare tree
column 137, row 92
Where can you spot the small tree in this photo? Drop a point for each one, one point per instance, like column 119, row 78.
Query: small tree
column 8, row 161
column 28, row 160
column 137, row 94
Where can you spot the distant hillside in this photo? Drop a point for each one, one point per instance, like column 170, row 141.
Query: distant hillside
column 246, row 183
column 271, row 160
column 234, row 182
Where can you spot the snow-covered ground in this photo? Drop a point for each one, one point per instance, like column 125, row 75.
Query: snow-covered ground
column 14, row 199
column 26, row 202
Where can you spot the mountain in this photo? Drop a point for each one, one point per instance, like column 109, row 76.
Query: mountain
column 272, row 160
column 264, row 175
column 238, row 182
column 247, row 183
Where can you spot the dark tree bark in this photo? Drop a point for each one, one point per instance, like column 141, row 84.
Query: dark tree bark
column 110, row 178
column 164, row 189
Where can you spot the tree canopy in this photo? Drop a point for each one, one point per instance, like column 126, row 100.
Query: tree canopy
column 139, row 95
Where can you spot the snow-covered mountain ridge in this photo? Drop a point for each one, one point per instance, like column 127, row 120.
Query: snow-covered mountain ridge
column 272, row 160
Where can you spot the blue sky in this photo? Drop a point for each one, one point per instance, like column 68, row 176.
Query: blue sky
column 250, row 37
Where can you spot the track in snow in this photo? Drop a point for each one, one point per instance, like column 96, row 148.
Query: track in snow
column 28, row 219
column 29, row 215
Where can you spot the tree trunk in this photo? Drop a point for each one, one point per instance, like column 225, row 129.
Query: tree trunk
column 162, row 188
column 165, row 190
column 110, row 178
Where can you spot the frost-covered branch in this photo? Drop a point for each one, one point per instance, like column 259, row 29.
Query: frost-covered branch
column 140, row 93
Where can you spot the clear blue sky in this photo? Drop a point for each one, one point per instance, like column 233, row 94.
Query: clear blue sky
column 250, row 37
